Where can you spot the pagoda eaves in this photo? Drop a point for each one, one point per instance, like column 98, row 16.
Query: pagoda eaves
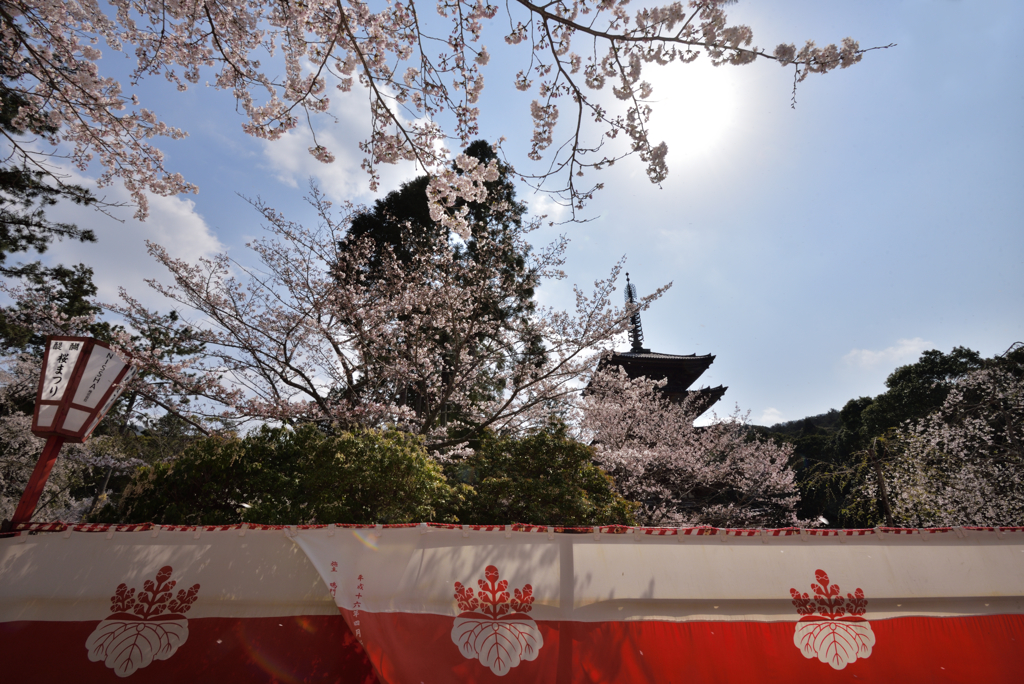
column 679, row 370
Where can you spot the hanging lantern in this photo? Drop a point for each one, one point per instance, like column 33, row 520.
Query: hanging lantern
column 80, row 381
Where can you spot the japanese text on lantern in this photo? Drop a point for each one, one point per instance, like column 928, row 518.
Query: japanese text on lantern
column 98, row 377
column 58, row 372
column 59, row 368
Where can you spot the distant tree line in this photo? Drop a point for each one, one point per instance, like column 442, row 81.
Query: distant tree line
column 941, row 446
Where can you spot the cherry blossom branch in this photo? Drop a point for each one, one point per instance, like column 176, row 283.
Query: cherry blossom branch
column 53, row 67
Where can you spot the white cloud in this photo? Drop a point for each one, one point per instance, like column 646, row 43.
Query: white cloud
column 903, row 352
column 541, row 204
column 119, row 257
column 291, row 163
column 770, row 416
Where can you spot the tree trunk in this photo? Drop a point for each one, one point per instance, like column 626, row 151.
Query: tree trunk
column 883, row 495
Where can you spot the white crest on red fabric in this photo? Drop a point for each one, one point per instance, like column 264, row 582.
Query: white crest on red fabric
column 832, row 628
column 142, row 627
column 494, row 626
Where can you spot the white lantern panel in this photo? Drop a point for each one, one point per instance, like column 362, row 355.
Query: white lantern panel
column 101, row 370
column 74, row 420
column 110, row 401
column 60, row 364
column 95, row 422
column 47, row 412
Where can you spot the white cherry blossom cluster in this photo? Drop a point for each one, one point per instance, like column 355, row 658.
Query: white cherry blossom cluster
column 36, row 311
column 50, row 65
column 963, row 464
column 450, row 189
column 420, row 68
column 681, row 474
column 179, row 379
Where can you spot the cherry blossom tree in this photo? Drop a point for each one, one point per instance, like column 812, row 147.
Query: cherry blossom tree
column 421, row 68
column 719, row 475
column 964, row 463
column 52, row 308
column 306, row 336
column 399, row 227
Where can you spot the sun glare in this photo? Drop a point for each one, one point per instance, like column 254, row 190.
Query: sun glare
column 696, row 105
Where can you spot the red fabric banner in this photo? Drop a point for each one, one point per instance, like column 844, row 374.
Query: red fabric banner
column 410, row 604
column 302, row 648
column 914, row 649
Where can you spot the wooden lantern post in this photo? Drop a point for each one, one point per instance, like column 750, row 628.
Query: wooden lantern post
column 80, row 381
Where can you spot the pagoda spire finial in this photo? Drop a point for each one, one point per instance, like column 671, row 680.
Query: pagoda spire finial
column 636, row 331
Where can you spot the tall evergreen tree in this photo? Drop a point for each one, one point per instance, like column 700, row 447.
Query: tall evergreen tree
column 26, row 193
column 398, row 230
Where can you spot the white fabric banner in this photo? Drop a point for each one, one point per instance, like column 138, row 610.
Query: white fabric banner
column 434, row 603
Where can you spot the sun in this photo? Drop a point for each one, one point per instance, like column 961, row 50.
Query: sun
column 696, row 108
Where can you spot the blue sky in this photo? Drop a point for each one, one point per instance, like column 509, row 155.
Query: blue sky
column 812, row 250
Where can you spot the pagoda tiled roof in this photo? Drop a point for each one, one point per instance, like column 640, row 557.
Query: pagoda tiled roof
column 652, row 356
column 680, row 370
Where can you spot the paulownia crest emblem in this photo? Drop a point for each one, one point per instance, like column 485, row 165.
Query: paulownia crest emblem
column 832, row 628
column 142, row 627
column 494, row 626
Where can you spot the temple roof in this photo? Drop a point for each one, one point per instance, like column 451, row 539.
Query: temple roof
column 680, row 370
column 707, row 397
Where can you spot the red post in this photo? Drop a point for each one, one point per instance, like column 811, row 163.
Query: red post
column 30, row 497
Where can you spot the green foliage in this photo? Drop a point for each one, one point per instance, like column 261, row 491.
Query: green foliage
column 68, row 290
column 152, row 439
column 833, row 458
column 543, row 479
column 26, row 192
column 917, row 389
column 25, row 195
column 24, row 198
column 303, row 476
column 810, row 425
column 288, row 477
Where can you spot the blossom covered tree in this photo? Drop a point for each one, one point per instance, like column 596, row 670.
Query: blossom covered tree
column 421, row 68
column 68, row 307
column 680, row 474
column 962, row 464
column 399, row 227
column 306, row 336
